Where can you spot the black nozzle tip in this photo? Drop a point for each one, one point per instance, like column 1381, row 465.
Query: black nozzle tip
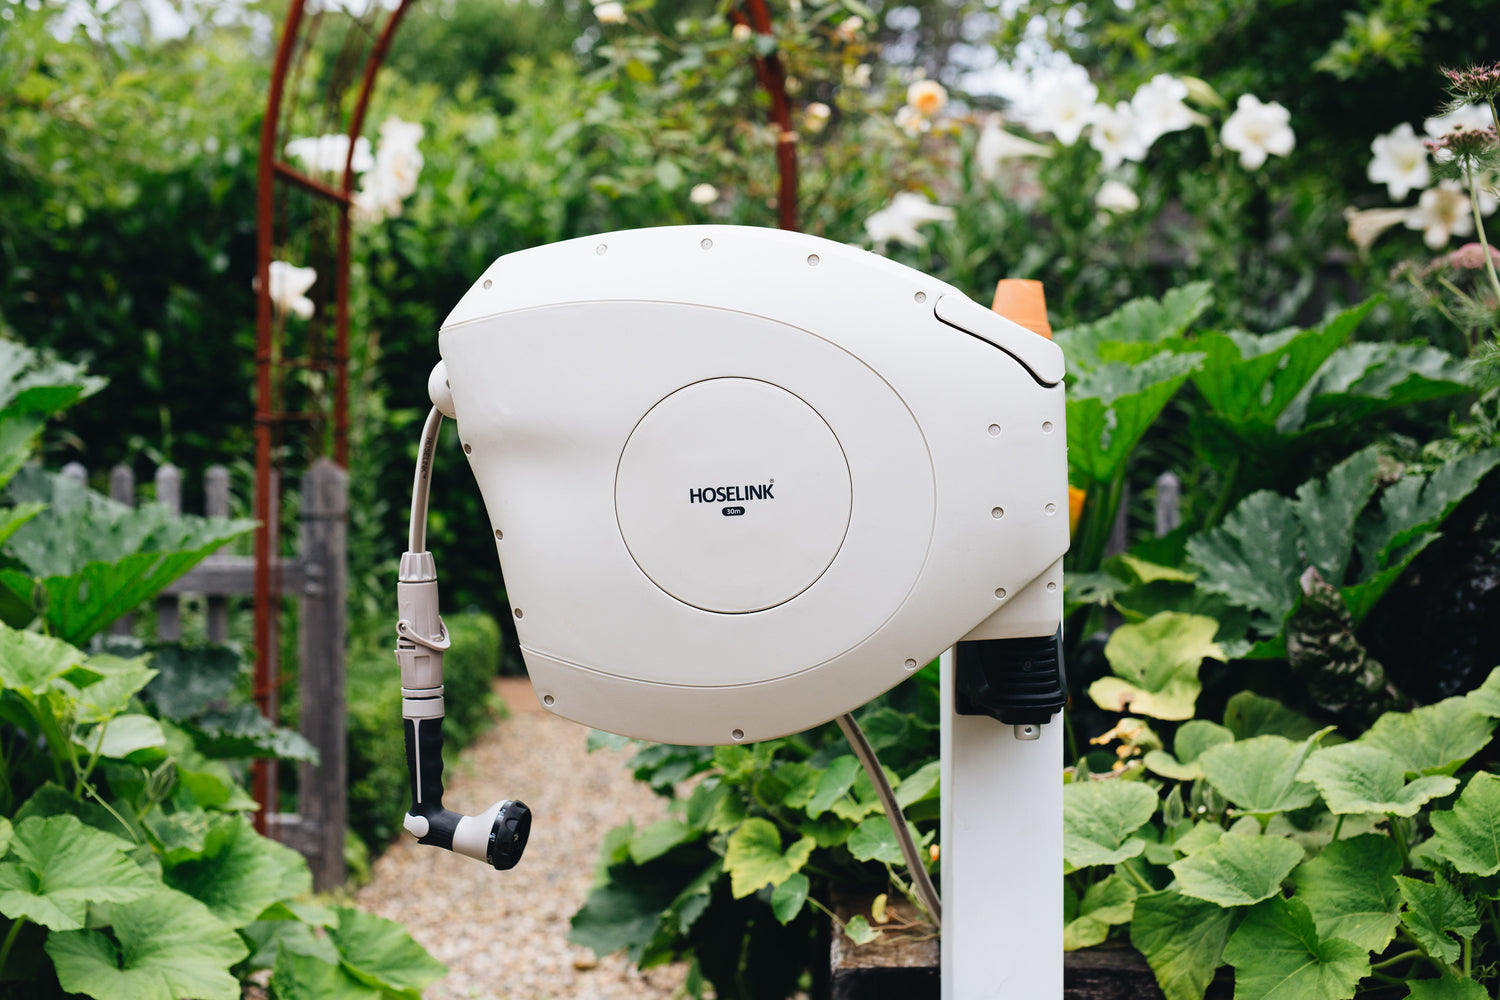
column 508, row 835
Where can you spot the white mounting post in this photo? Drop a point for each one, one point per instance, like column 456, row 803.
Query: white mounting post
column 1001, row 836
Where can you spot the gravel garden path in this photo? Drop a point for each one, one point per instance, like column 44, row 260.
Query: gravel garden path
column 503, row 935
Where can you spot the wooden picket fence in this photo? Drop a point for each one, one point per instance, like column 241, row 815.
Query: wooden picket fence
column 317, row 577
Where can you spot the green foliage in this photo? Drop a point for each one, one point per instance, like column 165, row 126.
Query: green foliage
column 1309, row 864
column 737, row 880
column 128, row 865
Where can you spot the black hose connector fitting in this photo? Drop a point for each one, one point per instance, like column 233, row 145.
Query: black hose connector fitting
column 1018, row 681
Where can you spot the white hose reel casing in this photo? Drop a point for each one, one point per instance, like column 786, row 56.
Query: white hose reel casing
column 741, row 481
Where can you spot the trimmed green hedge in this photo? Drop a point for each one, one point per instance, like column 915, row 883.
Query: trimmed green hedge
column 378, row 794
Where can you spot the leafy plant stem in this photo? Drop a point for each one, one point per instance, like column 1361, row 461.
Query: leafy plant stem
column 1484, row 243
column 1338, row 825
column 1399, row 835
column 1136, row 877
column 94, row 794
column 1226, row 493
column 10, row 940
column 1403, row 957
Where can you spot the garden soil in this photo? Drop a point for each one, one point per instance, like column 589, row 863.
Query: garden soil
column 504, row 935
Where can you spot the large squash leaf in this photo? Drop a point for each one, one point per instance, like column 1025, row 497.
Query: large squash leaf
column 163, row 947
column 1278, row 954
column 96, row 559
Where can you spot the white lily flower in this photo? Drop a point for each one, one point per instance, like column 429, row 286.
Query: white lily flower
column 1062, row 102
column 1160, row 107
column 703, row 194
column 289, row 286
column 1470, row 116
column 1115, row 196
column 1441, row 213
column 1115, row 136
column 326, row 154
column 899, row 220
column 996, row 145
column 1256, row 130
column 1400, row 162
column 1366, row 226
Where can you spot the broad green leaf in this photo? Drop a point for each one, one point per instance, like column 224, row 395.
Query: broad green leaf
column 13, row 517
column 1150, row 572
column 166, row 945
column 1248, row 714
column 859, row 931
column 874, row 840
column 836, row 780
column 1237, row 870
column 626, row 906
column 755, row 858
column 799, row 780
column 1202, row 835
column 58, row 866
column 1252, row 558
column 1432, row 739
column 788, row 898
column 1193, row 737
column 1183, row 940
column 97, row 559
column 122, row 736
column 1277, row 954
column 181, row 834
column 1359, row 778
column 300, row 976
column 240, row 873
column 34, row 382
column 1156, row 663
column 1417, row 503
column 1468, row 835
column 1327, row 509
column 1350, row 889
column 30, row 661
column 381, row 953
column 1436, row 911
column 6, row 830
column 242, row 731
column 268, row 936
column 1260, row 775
column 1142, row 321
column 210, row 785
column 119, row 681
column 1250, row 379
column 659, row 838
column 1364, row 379
column 1099, row 818
column 920, row 785
column 1447, row 988
column 1104, row 904
column 1486, row 697
column 192, row 679
column 1111, row 407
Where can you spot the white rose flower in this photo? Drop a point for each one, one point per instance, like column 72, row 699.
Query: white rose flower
column 899, row 220
column 815, row 116
column 1159, row 108
column 910, row 121
column 1114, row 196
column 1062, row 102
column 327, row 154
column 741, row 32
column 1441, row 213
column 289, row 286
column 703, row 194
column 1256, row 130
column 996, row 145
column 1115, row 136
column 1400, row 162
column 610, row 12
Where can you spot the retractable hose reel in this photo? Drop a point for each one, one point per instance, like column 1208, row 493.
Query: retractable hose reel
column 741, row 481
